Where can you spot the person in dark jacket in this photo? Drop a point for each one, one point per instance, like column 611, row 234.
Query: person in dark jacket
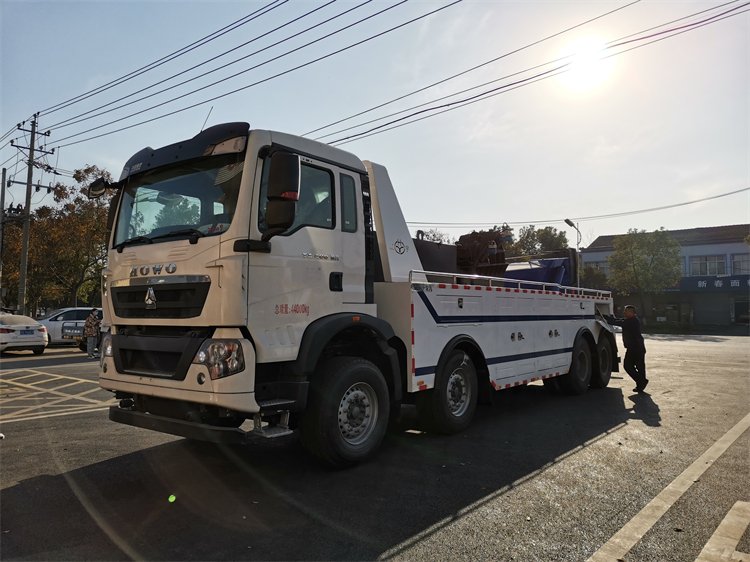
column 635, row 349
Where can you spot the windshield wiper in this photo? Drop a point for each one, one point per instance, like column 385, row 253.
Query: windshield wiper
column 133, row 240
column 193, row 232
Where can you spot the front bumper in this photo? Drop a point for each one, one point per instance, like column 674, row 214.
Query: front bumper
column 182, row 428
column 235, row 392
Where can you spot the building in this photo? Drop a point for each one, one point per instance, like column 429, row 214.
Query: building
column 715, row 286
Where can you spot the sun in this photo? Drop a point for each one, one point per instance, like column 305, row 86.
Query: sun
column 589, row 68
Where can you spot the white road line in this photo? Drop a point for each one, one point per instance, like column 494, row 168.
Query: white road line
column 627, row 537
column 723, row 543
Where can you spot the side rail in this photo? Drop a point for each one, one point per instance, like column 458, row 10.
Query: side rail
column 477, row 282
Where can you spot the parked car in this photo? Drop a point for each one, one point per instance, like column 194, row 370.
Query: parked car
column 18, row 333
column 66, row 324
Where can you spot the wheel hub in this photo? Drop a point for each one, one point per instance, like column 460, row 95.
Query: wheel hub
column 357, row 413
column 458, row 393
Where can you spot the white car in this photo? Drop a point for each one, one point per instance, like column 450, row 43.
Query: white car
column 19, row 333
column 72, row 319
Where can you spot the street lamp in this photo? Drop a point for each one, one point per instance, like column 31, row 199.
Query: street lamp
column 571, row 224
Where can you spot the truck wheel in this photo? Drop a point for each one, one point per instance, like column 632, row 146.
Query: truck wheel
column 38, row 350
column 603, row 367
column 450, row 406
column 579, row 377
column 347, row 412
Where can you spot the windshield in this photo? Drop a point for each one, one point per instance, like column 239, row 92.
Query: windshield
column 196, row 197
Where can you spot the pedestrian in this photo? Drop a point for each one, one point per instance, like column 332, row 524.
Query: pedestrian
column 91, row 332
column 635, row 349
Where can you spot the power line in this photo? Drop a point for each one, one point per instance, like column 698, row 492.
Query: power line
column 526, row 81
column 308, row 63
column 413, row 92
column 326, row 36
column 178, row 53
column 581, row 219
column 75, row 119
column 476, row 67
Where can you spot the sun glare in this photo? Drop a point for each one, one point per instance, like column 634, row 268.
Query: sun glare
column 588, row 67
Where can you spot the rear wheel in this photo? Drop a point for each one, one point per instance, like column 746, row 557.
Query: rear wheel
column 38, row 350
column 603, row 363
column 579, row 377
column 347, row 412
column 450, row 406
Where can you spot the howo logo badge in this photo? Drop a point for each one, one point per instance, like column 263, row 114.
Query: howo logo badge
column 150, row 299
column 155, row 269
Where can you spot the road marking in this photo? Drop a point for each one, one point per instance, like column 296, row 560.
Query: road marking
column 57, row 414
column 43, row 394
column 55, row 402
column 627, row 537
column 723, row 543
column 52, row 391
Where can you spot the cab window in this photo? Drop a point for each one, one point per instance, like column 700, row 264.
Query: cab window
column 315, row 207
column 348, row 204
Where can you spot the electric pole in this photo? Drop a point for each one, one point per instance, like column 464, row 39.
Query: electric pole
column 2, row 230
column 27, row 215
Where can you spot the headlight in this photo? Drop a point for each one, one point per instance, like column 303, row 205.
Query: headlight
column 221, row 357
column 105, row 348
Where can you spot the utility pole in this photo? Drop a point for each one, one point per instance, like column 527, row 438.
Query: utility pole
column 27, row 216
column 2, row 230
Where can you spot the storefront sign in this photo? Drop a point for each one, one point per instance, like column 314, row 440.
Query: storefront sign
column 715, row 283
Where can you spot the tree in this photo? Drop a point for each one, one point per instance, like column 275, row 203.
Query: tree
column 67, row 247
column 182, row 212
column 594, row 278
column 644, row 263
column 435, row 235
column 534, row 242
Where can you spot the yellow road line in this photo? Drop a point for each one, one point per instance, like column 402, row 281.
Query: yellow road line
column 634, row 530
column 49, row 403
column 50, row 391
column 43, row 416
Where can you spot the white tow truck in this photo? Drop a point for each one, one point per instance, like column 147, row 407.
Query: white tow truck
column 260, row 283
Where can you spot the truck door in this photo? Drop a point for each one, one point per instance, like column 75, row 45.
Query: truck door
column 352, row 239
column 303, row 277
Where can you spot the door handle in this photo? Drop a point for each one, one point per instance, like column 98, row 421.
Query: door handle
column 336, row 281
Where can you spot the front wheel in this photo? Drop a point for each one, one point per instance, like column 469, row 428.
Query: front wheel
column 450, row 406
column 347, row 412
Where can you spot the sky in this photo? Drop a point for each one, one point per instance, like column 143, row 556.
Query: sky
column 658, row 125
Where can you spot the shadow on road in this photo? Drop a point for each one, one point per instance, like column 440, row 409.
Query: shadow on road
column 645, row 409
column 275, row 503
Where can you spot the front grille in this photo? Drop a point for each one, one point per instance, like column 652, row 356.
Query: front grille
column 173, row 300
column 151, row 352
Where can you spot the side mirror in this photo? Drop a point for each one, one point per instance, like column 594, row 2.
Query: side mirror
column 97, row 188
column 283, row 192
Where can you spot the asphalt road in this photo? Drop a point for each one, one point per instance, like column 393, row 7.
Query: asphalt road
column 536, row 477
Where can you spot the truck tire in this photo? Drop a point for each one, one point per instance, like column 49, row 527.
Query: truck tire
column 347, row 412
column 603, row 364
column 450, row 406
column 579, row 376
